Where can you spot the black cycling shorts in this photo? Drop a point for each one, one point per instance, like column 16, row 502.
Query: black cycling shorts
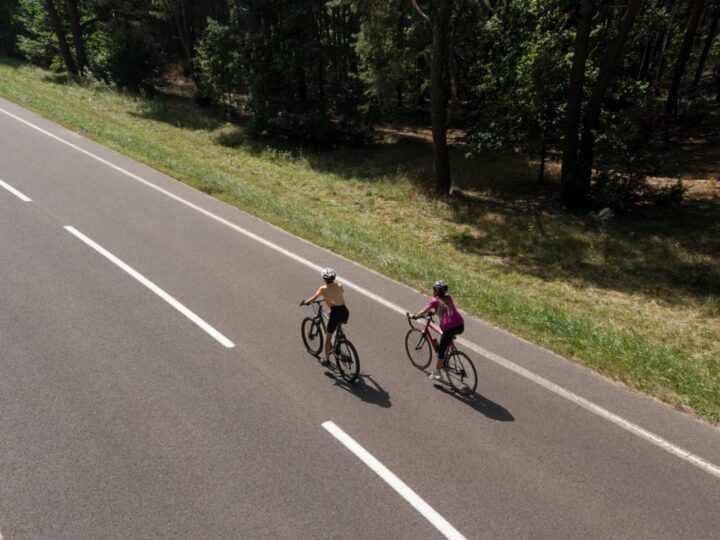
column 447, row 337
column 338, row 315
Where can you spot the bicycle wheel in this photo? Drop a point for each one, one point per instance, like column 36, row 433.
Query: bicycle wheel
column 312, row 335
column 418, row 348
column 461, row 372
column 347, row 360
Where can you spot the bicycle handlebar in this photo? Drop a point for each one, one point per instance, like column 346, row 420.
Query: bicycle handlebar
column 304, row 303
column 410, row 318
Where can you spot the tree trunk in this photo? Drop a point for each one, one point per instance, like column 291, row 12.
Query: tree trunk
column 571, row 196
column 401, row 43
column 321, row 84
column 60, row 34
column 683, row 56
column 76, row 30
column 706, row 48
column 438, row 71
column 543, row 155
column 182, row 13
column 301, row 86
column 592, row 115
column 666, row 39
column 645, row 62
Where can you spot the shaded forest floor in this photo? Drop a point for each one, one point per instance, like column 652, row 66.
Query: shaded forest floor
column 677, row 244
column 637, row 298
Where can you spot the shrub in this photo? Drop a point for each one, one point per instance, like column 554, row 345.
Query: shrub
column 134, row 61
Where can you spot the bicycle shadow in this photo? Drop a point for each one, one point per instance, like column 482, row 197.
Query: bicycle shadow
column 480, row 403
column 370, row 393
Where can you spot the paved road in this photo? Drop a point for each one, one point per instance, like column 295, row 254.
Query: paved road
column 122, row 418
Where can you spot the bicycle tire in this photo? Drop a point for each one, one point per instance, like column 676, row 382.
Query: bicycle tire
column 461, row 372
column 312, row 335
column 347, row 360
column 418, row 348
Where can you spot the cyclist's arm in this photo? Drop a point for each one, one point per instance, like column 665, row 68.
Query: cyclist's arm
column 318, row 294
column 432, row 304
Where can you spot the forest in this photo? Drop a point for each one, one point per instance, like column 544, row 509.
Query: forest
column 606, row 85
column 556, row 160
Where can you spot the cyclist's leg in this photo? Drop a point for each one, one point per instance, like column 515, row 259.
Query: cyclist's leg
column 333, row 323
column 443, row 345
column 338, row 315
column 445, row 341
column 328, row 344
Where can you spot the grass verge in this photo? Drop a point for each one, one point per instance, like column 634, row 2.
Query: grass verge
column 636, row 299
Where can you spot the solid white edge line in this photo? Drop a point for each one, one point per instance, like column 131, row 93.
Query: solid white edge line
column 427, row 511
column 225, row 342
column 19, row 196
column 558, row 390
column 596, row 409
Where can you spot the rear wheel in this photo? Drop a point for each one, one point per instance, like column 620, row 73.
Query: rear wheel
column 418, row 348
column 347, row 360
column 461, row 372
column 312, row 335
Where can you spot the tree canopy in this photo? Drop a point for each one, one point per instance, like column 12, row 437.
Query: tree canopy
column 601, row 84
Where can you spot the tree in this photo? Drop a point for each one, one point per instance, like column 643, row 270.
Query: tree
column 682, row 58
column 57, row 27
column 392, row 49
column 8, row 29
column 592, row 114
column 73, row 15
column 519, row 77
column 706, row 48
column 572, row 193
column 183, row 14
column 218, row 72
column 439, row 24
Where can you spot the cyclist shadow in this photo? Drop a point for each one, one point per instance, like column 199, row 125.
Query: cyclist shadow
column 365, row 387
column 480, row 403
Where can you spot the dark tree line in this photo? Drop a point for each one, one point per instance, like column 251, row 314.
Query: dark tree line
column 599, row 81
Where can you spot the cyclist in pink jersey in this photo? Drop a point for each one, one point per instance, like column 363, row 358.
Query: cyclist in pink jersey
column 451, row 322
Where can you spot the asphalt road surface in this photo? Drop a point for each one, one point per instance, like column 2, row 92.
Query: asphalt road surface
column 153, row 384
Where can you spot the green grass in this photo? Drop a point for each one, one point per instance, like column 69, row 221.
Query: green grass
column 637, row 302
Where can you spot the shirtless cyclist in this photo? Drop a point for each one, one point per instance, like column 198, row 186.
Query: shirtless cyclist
column 334, row 296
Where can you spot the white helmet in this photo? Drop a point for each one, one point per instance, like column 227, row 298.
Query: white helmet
column 329, row 274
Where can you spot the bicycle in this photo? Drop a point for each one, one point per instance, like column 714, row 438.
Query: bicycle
column 420, row 345
column 313, row 334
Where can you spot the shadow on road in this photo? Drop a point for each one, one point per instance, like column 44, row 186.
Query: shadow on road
column 365, row 387
column 481, row 404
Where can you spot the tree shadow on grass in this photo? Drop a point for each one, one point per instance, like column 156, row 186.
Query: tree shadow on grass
column 666, row 254
column 181, row 111
column 376, row 160
column 669, row 254
column 11, row 62
column 58, row 78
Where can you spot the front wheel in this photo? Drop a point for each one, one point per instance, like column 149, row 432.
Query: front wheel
column 312, row 335
column 461, row 372
column 347, row 360
column 418, row 348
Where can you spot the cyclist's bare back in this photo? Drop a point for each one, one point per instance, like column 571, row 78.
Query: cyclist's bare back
column 333, row 294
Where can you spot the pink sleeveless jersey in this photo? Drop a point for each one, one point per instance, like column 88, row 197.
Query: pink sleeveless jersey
column 452, row 317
